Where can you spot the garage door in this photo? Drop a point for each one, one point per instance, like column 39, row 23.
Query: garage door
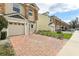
column 16, row 29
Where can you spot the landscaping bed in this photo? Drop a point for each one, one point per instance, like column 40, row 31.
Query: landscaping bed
column 55, row 34
column 6, row 49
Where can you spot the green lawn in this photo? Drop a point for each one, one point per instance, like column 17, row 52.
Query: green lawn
column 67, row 36
column 55, row 34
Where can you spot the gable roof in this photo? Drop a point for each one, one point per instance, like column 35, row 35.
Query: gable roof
column 14, row 17
column 45, row 13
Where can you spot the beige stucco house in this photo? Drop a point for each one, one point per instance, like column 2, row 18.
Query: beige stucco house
column 22, row 18
column 43, row 21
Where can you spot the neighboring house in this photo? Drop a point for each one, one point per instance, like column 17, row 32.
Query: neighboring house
column 22, row 18
column 56, row 23
column 43, row 21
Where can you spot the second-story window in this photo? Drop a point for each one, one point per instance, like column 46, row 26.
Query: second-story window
column 30, row 12
column 16, row 7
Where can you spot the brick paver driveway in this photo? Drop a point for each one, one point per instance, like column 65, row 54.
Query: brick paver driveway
column 36, row 45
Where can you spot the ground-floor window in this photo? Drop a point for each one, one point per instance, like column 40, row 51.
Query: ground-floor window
column 16, row 23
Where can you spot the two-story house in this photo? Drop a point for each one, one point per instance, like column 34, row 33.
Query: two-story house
column 56, row 24
column 43, row 21
column 22, row 18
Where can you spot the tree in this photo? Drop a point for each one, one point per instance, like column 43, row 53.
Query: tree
column 3, row 23
column 74, row 23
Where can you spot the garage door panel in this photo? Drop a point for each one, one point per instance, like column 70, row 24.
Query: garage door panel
column 16, row 29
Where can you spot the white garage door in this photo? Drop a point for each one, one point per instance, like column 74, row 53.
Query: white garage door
column 16, row 29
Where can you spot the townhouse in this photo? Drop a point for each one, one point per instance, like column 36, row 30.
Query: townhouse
column 43, row 21
column 56, row 23
column 22, row 18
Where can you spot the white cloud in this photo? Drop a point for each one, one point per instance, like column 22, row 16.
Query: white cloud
column 54, row 1
column 57, row 5
column 67, row 21
column 43, row 7
column 62, row 7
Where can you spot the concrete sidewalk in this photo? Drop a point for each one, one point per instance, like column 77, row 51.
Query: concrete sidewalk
column 72, row 46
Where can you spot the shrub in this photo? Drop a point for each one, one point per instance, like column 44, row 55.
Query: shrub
column 60, row 36
column 6, row 50
column 58, row 31
column 3, row 35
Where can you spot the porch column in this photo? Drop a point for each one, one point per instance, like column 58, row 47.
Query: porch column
column 25, row 28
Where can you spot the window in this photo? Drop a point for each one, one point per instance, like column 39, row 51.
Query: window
column 31, row 25
column 32, row 5
column 30, row 12
column 18, row 23
column 15, row 23
column 16, row 7
column 10, row 23
column 22, row 24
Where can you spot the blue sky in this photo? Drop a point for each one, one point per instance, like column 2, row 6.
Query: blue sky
column 67, row 16
column 65, row 11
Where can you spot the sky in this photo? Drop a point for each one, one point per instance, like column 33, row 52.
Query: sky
column 64, row 11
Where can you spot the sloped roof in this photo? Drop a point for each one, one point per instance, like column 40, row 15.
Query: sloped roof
column 56, row 18
column 45, row 13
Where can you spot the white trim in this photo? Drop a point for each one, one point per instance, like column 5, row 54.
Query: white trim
column 16, row 21
column 25, row 28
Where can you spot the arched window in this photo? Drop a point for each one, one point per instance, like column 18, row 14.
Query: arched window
column 30, row 12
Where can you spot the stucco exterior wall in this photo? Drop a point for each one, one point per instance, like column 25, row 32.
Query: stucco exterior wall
column 2, row 8
column 52, row 27
column 8, row 8
column 33, row 9
column 22, row 10
column 32, row 30
column 42, row 23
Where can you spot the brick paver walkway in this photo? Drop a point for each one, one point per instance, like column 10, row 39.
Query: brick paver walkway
column 36, row 45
